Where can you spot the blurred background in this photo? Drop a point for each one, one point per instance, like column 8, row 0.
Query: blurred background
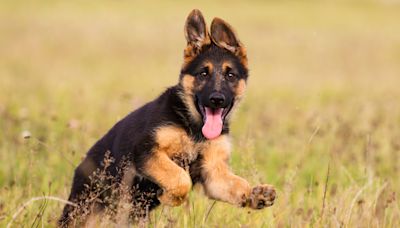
column 320, row 121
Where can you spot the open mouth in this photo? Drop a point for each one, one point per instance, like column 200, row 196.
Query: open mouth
column 213, row 119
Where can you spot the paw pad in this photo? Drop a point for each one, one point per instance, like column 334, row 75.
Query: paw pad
column 262, row 196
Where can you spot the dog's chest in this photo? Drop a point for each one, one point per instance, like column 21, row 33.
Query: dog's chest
column 188, row 154
column 175, row 142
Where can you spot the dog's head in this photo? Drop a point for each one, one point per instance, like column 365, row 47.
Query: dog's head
column 214, row 73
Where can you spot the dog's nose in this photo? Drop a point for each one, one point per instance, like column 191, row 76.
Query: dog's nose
column 217, row 99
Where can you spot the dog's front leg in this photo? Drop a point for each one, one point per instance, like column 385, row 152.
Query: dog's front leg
column 221, row 184
column 174, row 180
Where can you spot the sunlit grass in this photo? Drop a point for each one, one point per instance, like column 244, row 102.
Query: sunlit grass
column 323, row 90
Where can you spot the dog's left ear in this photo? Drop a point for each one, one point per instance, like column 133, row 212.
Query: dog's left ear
column 224, row 36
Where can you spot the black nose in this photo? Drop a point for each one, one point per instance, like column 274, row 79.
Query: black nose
column 217, row 99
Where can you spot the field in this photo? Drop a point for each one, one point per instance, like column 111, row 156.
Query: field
column 320, row 121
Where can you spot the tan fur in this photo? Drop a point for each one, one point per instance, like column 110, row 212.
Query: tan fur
column 172, row 142
column 226, row 65
column 188, row 55
column 209, row 65
column 191, row 50
column 187, row 83
column 220, row 183
column 240, row 89
column 174, row 180
column 242, row 54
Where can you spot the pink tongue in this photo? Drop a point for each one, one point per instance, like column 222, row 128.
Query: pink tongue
column 213, row 123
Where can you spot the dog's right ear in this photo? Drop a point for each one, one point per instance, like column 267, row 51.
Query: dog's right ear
column 196, row 34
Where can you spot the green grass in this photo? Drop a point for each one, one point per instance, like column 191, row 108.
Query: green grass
column 323, row 91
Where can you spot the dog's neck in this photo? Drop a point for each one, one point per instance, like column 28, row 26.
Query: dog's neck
column 183, row 115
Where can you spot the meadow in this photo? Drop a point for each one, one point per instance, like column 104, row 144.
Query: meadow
column 320, row 121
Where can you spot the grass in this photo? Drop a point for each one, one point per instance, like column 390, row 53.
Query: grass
column 323, row 92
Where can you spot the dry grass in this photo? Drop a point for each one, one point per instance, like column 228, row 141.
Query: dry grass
column 323, row 90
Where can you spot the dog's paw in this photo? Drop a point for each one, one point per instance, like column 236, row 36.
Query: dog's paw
column 171, row 199
column 262, row 196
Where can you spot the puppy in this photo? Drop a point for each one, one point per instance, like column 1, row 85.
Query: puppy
column 177, row 140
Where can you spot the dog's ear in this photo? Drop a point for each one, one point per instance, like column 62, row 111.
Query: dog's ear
column 196, row 34
column 224, row 36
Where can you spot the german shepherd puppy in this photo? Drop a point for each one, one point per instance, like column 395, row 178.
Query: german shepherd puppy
column 177, row 140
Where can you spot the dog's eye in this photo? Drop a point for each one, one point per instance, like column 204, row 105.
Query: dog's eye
column 230, row 76
column 203, row 74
